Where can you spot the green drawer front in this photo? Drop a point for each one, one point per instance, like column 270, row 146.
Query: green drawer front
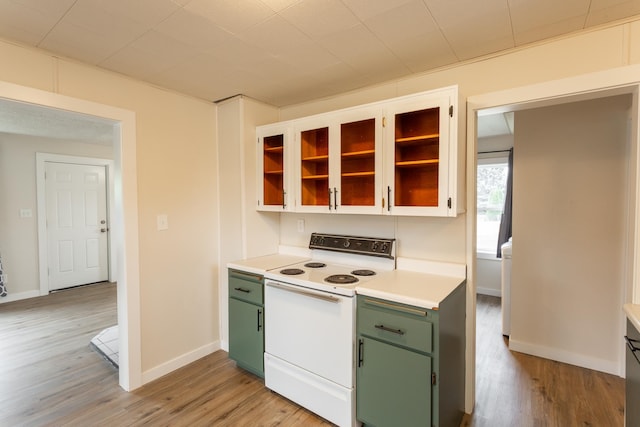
column 246, row 286
column 405, row 328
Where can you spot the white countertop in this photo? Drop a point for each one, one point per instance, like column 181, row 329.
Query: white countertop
column 633, row 314
column 409, row 287
column 259, row 265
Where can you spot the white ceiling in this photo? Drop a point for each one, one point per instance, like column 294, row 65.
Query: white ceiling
column 289, row 51
column 34, row 120
column 495, row 125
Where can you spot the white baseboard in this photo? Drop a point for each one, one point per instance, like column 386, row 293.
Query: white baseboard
column 489, row 291
column 179, row 362
column 19, row 296
column 601, row 365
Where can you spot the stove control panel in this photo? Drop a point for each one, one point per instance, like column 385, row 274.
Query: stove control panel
column 353, row 244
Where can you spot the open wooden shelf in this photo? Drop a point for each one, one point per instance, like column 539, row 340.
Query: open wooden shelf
column 315, row 177
column 279, row 149
column 361, row 153
column 358, row 174
column 417, row 139
column 417, row 163
column 320, row 158
column 280, row 172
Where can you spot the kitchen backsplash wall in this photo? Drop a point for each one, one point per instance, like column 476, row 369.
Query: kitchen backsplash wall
column 437, row 239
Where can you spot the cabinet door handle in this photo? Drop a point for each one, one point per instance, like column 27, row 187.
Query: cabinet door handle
column 335, row 198
column 631, row 344
column 284, row 198
column 360, row 352
column 259, row 318
column 329, row 198
column 388, row 198
column 246, row 291
column 385, row 328
column 298, row 290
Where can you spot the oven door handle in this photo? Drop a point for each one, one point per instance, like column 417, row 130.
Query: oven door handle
column 298, row 290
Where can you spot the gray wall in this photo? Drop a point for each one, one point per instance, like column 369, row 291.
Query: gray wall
column 570, row 206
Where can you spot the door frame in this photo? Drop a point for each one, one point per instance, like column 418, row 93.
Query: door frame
column 41, row 205
column 124, row 210
column 615, row 81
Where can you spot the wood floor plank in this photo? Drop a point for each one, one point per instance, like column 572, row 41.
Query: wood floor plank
column 49, row 376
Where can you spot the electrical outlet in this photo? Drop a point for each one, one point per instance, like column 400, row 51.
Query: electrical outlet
column 301, row 226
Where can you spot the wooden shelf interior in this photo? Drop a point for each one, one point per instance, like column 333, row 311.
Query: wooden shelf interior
column 357, row 163
column 417, row 152
column 273, row 169
column 416, row 187
column 314, row 149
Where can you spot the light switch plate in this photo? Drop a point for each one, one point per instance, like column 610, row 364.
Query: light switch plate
column 163, row 222
column 301, row 226
column 26, row 213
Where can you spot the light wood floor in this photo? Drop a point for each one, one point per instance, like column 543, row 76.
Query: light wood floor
column 515, row 389
column 50, row 377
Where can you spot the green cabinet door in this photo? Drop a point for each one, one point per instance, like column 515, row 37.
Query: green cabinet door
column 246, row 335
column 394, row 385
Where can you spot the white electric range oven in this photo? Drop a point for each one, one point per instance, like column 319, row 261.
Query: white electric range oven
column 310, row 322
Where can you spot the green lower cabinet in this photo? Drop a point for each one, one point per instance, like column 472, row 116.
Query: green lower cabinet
column 394, row 385
column 411, row 367
column 246, row 321
column 246, row 337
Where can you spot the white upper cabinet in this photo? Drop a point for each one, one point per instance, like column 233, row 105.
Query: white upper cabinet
column 395, row 157
column 340, row 162
column 274, row 160
column 418, row 155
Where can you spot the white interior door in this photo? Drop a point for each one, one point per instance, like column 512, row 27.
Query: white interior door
column 76, row 204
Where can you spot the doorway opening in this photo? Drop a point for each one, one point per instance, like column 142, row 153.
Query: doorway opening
column 122, row 141
column 558, row 93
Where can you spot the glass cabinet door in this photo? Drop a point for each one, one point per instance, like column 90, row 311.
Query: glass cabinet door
column 358, row 163
column 314, row 167
column 418, row 157
column 272, row 172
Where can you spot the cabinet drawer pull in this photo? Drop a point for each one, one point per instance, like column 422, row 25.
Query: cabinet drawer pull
column 396, row 307
column 385, row 328
column 246, row 291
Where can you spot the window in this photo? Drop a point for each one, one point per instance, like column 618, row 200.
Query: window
column 491, row 189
